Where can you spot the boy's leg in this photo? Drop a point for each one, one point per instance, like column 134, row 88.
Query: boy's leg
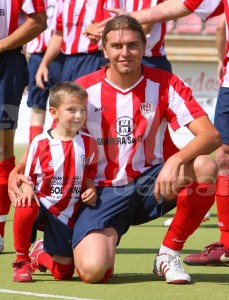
column 24, row 218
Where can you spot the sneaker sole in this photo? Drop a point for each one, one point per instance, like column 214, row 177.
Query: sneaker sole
column 206, row 264
column 178, row 281
column 22, row 280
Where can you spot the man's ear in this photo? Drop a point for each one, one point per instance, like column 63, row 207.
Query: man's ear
column 105, row 53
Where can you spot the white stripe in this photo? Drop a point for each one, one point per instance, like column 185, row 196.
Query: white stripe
column 3, row 218
column 42, row 295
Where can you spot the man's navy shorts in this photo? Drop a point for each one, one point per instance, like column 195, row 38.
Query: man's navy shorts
column 13, row 80
column 158, row 62
column 81, row 64
column 221, row 120
column 38, row 97
column 121, row 207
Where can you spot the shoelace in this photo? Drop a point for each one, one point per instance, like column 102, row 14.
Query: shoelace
column 175, row 262
column 19, row 264
column 212, row 247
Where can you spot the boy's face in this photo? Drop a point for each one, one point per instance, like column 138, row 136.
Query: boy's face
column 71, row 114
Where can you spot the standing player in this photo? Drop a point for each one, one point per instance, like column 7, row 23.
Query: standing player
column 61, row 163
column 13, row 80
column 37, row 98
column 81, row 55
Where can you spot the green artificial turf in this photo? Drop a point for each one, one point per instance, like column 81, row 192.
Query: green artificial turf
column 133, row 278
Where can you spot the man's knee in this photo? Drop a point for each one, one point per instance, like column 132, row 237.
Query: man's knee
column 94, row 274
column 206, row 168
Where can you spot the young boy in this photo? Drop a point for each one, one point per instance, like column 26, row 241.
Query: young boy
column 62, row 163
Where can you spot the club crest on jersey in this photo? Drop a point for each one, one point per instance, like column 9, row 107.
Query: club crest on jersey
column 124, row 126
column 50, row 164
column 146, row 109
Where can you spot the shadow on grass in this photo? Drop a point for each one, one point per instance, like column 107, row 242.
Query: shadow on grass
column 135, row 278
column 202, row 225
column 150, row 251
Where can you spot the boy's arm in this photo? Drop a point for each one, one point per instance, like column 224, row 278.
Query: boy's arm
column 89, row 196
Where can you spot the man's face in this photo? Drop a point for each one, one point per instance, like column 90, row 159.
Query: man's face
column 124, row 49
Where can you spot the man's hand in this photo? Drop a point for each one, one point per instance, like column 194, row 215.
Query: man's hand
column 14, row 182
column 118, row 11
column 42, row 76
column 94, row 32
column 167, row 183
column 28, row 196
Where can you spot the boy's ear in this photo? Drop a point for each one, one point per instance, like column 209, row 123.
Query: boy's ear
column 52, row 111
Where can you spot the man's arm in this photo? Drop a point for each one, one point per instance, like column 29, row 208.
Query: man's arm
column 165, row 11
column 16, row 178
column 206, row 141
column 221, row 45
column 31, row 28
column 54, row 48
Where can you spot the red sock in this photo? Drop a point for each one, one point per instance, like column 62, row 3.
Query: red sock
column 222, row 202
column 34, row 131
column 193, row 202
column 24, row 218
column 59, row 271
column 6, row 167
column 46, row 260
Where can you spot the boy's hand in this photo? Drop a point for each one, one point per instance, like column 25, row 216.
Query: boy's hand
column 89, row 196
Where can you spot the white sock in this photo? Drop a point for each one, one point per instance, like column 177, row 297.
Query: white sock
column 164, row 250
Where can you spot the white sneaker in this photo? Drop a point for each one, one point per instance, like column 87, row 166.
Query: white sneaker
column 1, row 243
column 207, row 217
column 169, row 265
column 168, row 222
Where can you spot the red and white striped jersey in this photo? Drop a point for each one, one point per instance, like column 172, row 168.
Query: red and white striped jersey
column 59, row 169
column 129, row 125
column 205, row 8
column 13, row 11
column 211, row 8
column 155, row 38
column 73, row 17
column 40, row 43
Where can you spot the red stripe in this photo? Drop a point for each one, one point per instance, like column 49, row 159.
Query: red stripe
column 139, row 126
column 45, row 157
column 15, row 8
column 68, row 176
column 78, row 28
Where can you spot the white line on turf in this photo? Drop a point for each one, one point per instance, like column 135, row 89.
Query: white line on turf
column 42, row 295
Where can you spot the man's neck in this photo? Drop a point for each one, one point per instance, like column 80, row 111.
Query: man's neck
column 122, row 81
